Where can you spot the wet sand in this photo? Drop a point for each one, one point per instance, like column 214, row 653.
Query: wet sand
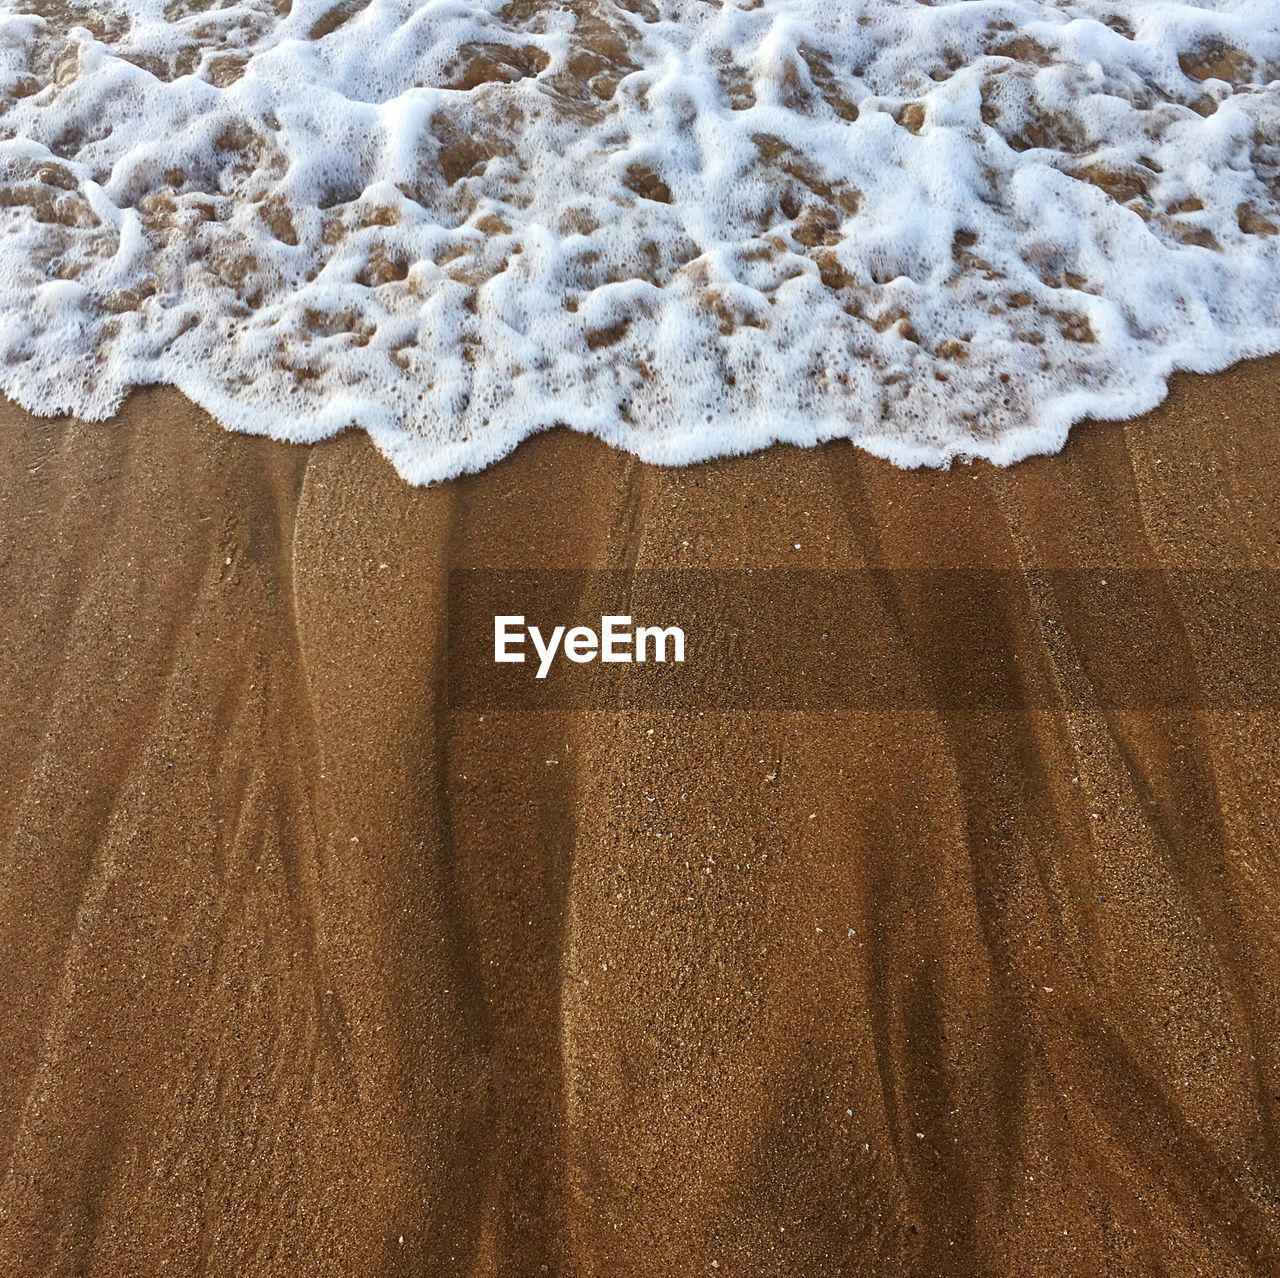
column 304, row 972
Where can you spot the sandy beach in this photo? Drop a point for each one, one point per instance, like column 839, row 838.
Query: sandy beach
column 307, row 971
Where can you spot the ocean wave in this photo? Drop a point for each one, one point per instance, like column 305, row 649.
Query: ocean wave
column 689, row 228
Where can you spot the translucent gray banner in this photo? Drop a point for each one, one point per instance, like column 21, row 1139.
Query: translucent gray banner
column 871, row 639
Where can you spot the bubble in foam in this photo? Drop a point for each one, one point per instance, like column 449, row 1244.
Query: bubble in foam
column 691, row 229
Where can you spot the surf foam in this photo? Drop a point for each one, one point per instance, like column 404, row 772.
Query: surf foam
column 690, row 228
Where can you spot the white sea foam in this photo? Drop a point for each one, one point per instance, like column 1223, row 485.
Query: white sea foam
column 688, row 227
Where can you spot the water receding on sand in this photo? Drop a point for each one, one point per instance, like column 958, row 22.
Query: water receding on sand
column 689, row 228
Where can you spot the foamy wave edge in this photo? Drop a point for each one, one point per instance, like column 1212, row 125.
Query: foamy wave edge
column 940, row 232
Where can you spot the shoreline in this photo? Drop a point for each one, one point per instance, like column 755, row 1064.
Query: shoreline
column 306, row 969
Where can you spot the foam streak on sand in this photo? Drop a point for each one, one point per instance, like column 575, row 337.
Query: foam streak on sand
column 688, row 228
